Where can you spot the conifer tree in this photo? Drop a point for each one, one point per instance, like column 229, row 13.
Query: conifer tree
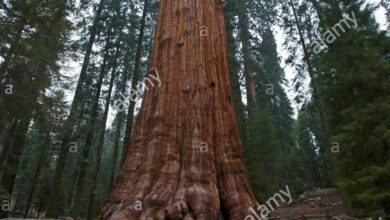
column 234, row 69
column 313, row 81
column 134, row 83
column 248, row 62
column 90, row 126
column 92, row 196
column 30, row 66
column 356, row 80
column 55, row 189
column 55, row 108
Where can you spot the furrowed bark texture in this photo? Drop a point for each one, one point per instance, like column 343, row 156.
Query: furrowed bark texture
column 185, row 159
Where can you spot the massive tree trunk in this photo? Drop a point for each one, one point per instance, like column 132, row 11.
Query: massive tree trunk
column 186, row 158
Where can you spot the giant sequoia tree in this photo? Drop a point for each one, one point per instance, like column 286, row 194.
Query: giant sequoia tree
column 185, row 160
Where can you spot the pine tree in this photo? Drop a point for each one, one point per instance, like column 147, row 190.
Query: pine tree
column 248, row 62
column 356, row 80
column 90, row 126
column 56, row 108
column 316, row 93
column 92, row 198
column 309, row 147
column 51, row 209
column 234, row 68
column 134, row 83
column 7, row 143
column 29, row 69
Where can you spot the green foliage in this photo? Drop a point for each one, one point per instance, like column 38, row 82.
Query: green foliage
column 261, row 155
column 354, row 72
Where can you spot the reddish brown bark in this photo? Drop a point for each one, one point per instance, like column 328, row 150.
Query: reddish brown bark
column 248, row 62
column 168, row 168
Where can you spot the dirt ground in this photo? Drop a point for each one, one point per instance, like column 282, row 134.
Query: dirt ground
column 313, row 206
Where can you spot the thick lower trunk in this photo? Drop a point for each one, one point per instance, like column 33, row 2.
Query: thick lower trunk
column 186, row 158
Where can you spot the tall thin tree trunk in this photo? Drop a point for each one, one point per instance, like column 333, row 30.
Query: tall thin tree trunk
column 92, row 196
column 316, row 93
column 130, row 112
column 118, row 128
column 3, row 133
column 115, row 152
column 72, row 188
column 186, row 158
column 37, row 171
column 248, row 62
column 10, row 170
column 40, row 208
column 5, row 129
column 235, row 81
column 56, row 185
column 8, row 141
column 90, row 130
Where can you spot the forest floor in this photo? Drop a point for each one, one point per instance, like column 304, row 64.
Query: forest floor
column 316, row 204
